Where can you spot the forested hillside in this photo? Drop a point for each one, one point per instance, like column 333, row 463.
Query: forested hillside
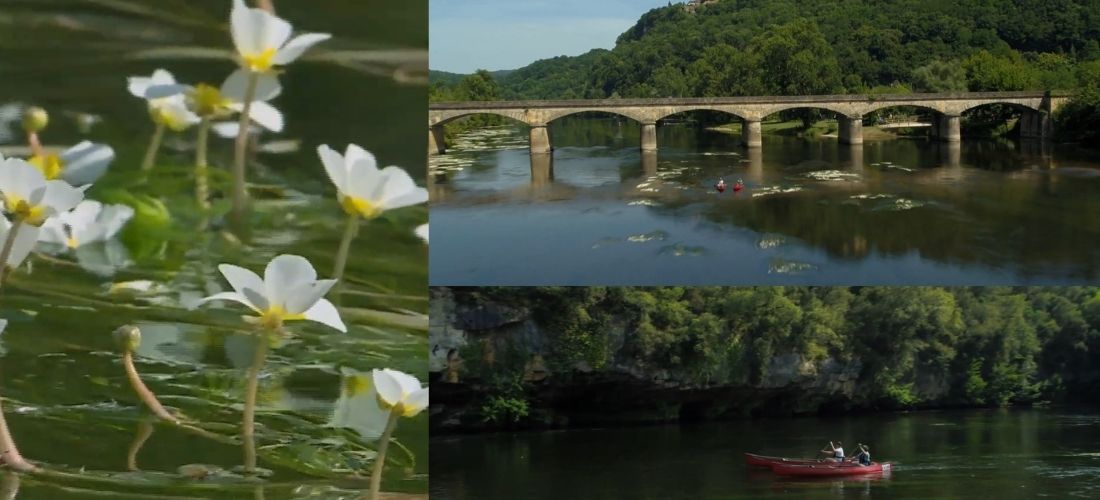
column 754, row 47
column 767, row 349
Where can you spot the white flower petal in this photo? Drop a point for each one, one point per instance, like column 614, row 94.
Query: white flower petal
column 355, row 154
column 334, row 166
column 227, row 130
column 422, row 232
column 235, row 86
column 245, row 28
column 60, row 197
column 399, row 189
column 266, row 116
column 416, row 402
column 325, row 313
column 25, row 240
column 389, row 389
column 53, row 231
column 19, row 178
column 283, row 274
column 409, row 384
column 246, row 284
column 233, row 296
column 364, row 182
column 296, row 47
column 304, row 296
column 166, row 90
column 162, row 76
column 86, row 162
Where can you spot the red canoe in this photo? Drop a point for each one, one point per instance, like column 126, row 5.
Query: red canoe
column 823, row 469
column 763, row 461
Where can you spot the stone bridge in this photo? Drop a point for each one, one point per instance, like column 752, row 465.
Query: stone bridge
column 947, row 108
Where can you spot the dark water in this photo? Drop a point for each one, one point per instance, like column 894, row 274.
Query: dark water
column 965, row 454
column 65, row 394
column 904, row 211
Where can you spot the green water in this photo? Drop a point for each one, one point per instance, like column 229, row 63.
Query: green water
column 949, row 454
column 65, row 392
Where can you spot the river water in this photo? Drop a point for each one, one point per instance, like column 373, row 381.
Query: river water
column 902, row 211
column 65, row 392
column 944, row 454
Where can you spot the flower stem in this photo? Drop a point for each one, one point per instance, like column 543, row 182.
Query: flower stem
column 145, row 429
column 248, row 430
column 350, row 230
column 35, row 144
column 240, row 192
column 142, row 391
column 380, row 458
column 154, row 146
column 202, row 184
column 9, row 454
column 6, row 252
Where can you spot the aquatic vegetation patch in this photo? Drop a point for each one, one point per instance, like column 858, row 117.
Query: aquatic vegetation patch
column 831, row 175
column 772, row 190
column 657, row 235
column 784, row 266
column 681, row 250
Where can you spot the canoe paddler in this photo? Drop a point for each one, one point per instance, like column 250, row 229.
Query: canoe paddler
column 836, row 450
column 864, row 456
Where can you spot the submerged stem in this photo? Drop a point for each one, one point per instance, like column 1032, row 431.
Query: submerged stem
column 145, row 429
column 380, row 458
column 202, row 184
column 345, row 246
column 240, row 192
column 142, row 391
column 9, row 453
column 154, row 146
column 248, row 430
column 6, row 252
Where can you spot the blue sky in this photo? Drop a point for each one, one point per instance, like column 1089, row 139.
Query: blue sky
column 466, row 35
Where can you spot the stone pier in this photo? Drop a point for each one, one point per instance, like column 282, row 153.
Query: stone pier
column 540, row 139
column 437, row 145
column 542, row 169
column 649, row 137
column 1036, row 125
column 750, row 133
column 649, row 162
column 850, row 129
column 947, row 128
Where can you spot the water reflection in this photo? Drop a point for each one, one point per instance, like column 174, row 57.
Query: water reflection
column 893, row 212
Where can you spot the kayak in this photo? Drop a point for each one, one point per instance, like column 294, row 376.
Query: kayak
column 823, row 469
column 764, row 461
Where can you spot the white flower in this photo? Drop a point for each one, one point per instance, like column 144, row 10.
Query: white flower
column 30, row 197
column 23, row 244
column 400, row 391
column 261, row 39
column 289, row 291
column 166, row 104
column 79, row 165
column 422, row 232
column 224, row 101
column 365, row 190
column 90, row 222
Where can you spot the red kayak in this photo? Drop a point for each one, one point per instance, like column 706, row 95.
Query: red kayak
column 764, row 461
column 829, row 469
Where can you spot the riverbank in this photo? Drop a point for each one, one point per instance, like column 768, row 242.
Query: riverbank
column 822, row 128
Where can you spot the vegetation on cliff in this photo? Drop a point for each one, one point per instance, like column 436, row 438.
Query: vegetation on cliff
column 912, row 346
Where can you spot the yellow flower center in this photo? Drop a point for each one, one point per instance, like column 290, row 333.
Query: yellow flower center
column 21, row 209
column 71, row 242
column 161, row 114
column 359, row 206
column 207, row 100
column 356, row 384
column 273, row 317
column 50, row 165
column 261, row 62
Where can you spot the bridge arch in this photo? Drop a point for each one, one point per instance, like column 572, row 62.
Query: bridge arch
column 1013, row 104
column 740, row 115
column 443, row 118
column 625, row 113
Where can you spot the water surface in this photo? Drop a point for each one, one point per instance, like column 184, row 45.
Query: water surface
column 65, row 393
column 813, row 211
column 951, row 454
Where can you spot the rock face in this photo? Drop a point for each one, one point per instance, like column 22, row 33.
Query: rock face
column 487, row 353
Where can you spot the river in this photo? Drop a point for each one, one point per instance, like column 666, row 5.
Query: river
column 936, row 454
column 65, row 392
column 813, row 211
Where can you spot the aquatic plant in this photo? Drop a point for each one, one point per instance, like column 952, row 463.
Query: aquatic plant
column 263, row 43
column 403, row 396
column 289, row 291
column 90, row 222
column 166, row 108
column 364, row 191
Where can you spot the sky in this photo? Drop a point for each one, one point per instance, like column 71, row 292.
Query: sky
column 467, row 35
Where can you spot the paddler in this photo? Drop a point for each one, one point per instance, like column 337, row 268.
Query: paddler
column 721, row 186
column 864, row 456
column 836, row 450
